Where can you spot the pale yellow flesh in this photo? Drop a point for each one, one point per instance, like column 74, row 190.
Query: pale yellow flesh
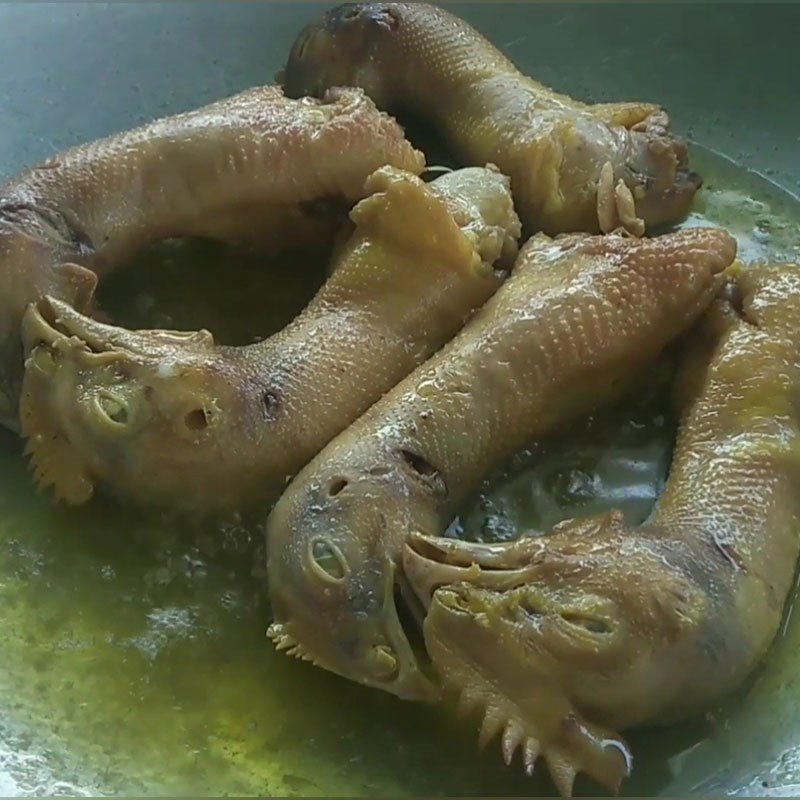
column 599, row 627
column 178, row 421
column 573, row 327
column 573, row 166
column 229, row 170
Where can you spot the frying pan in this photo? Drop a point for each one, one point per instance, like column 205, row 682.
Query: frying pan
column 85, row 706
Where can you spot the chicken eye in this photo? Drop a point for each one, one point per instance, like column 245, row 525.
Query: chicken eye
column 588, row 623
column 327, row 561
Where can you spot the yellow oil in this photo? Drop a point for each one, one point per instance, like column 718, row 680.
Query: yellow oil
column 132, row 650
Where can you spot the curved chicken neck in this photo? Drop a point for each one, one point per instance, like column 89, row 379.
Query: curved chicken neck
column 221, row 171
column 571, row 328
column 733, row 496
column 175, row 420
column 574, row 327
column 568, row 638
column 573, row 166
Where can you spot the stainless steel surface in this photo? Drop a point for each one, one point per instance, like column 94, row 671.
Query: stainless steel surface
column 727, row 72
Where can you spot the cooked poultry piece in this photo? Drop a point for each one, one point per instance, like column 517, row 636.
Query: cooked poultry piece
column 563, row 640
column 573, row 166
column 246, row 167
column 576, row 324
column 176, row 420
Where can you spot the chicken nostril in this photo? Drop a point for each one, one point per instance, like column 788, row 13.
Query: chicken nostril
column 590, row 624
column 427, row 473
column 327, row 561
column 271, row 403
column 197, row 419
column 336, row 486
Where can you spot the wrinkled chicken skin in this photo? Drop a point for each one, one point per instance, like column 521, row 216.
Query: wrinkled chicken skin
column 173, row 419
column 573, row 166
column 564, row 640
column 247, row 167
column 574, row 325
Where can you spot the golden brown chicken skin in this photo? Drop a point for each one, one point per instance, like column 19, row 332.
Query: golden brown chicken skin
column 573, row 166
column 246, row 168
column 563, row 640
column 174, row 419
column 573, row 326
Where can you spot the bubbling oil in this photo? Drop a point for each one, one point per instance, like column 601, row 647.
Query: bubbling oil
column 134, row 658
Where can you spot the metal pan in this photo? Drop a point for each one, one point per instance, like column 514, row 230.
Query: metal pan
column 132, row 657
